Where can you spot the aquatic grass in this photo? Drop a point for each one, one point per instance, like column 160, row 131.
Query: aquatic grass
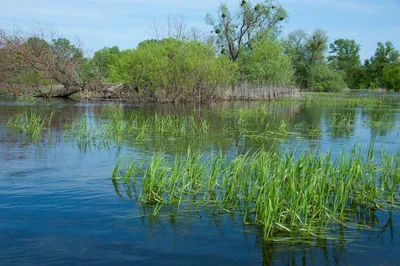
column 287, row 191
column 342, row 124
column 30, row 124
column 85, row 134
column 314, row 132
column 379, row 119
column 342, row 100
column 348, row 100
column 142, row 128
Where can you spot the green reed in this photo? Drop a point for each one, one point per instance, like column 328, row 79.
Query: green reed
column 380, row 119
column 289, row 191
column 314, row 132
column 30, row 124
column 85, row 134
column 348, row 100
column 342, row 123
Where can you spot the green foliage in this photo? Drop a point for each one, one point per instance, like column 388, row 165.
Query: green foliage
column 173, row 70
column 322, row 78
column 385, row 56
column 307, row 54
column 88, row 71
column 360, row 79
column 267, row 64
column 62, row 48
column 345, row 58
column 391, row 77
column 295, row 48
column 316, row 46
column 103, row 59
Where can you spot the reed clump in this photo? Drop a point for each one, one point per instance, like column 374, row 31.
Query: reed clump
column 30, row 124
column 380, row 119
column 304, row 193
column 85, row 134
column 342, row 124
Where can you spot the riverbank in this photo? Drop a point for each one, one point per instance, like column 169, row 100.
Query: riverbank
column 122, row 93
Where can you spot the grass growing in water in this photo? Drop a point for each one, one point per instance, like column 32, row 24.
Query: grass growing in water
column 348, row 101
column 342, row 124
column 85, row 134
column 279, row 191
column 30, row 124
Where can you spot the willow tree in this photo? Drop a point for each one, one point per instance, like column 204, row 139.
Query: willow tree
column 237, row 31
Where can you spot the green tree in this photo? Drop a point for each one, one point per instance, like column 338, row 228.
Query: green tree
column 64, row 50
column 360, row 78
column 295, row 48
column 237, row 32
column 308, row 56
column 345, row 58
column 391, row 77
column 266, row 63
column 385, row 55
column 103, row 59
column 316, row 46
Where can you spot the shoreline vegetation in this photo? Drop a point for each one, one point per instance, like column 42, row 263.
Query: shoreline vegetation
column 243, row 57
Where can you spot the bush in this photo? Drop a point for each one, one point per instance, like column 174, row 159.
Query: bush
column 322, row 78
column 267, row 64
column 391, row 77
column 173, row 70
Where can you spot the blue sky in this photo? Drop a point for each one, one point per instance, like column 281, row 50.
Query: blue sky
column 99, row 23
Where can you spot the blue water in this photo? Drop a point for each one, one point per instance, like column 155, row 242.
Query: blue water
column 59, row 206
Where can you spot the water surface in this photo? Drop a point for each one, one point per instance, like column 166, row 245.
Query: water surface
column 58, row 204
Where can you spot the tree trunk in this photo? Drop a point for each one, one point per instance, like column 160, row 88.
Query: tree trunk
column 64, row 92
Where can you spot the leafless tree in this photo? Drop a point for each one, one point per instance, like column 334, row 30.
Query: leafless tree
column 236, row 31
column 55, row 59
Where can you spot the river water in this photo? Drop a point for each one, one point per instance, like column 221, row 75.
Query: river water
column 59, row 206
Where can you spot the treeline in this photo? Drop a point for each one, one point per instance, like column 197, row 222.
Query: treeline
column 245, row 47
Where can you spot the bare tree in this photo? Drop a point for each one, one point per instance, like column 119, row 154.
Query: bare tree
column 236, row 31
column 56, row 59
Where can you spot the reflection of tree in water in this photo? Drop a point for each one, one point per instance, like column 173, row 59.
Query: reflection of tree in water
column 330, row 247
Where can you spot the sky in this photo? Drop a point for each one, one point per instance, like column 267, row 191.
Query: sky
column 99, row 23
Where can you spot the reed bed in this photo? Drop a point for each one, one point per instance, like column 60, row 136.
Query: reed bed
column 341, row 100
column 118, row 128
column 348, row 101
column 279, row 191
column 122, row 125
column 255, row 91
